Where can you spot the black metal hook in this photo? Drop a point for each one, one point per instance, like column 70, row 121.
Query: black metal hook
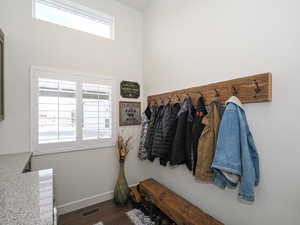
column 217, row 93
column 257, row 89
column 234, row 91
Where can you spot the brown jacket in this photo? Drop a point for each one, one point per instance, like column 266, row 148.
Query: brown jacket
column 207, row 143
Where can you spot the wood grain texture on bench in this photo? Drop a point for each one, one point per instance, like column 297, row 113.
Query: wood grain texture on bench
column 176, row 207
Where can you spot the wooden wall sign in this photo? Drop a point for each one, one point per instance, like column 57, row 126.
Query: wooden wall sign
column 130, row 113
column 250, row 89
column 130, row 89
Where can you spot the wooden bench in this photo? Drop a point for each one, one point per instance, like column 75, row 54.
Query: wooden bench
column 178, row 209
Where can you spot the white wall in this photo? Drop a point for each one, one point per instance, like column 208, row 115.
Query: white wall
column 190, row 43
column 186, row 43
column 29, row 42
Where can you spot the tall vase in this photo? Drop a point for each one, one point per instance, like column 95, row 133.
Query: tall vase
column 121, row 193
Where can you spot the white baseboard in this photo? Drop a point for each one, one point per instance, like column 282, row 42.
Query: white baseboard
column 85, row 202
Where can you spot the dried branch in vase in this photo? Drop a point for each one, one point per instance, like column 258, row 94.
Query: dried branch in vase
column 123, row 147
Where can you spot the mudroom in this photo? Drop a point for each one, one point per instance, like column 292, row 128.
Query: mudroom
column 149, row 112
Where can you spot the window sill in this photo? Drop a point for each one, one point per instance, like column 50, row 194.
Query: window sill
column 61, row 151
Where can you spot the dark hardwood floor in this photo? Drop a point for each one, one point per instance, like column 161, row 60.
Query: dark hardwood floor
column 107, row 213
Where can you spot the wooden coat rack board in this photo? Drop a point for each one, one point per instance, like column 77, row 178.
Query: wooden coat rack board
column 250, row 89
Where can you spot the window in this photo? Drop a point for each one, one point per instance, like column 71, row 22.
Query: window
column 71, row 112
column 57, row 111
column 96, row 111
column 75, row 16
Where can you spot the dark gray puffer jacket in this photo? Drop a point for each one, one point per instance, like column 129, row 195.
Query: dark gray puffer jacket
column 150, row 133
column 165, row 132
column 181, row 150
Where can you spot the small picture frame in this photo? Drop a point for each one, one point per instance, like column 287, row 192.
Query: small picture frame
column 129, row 113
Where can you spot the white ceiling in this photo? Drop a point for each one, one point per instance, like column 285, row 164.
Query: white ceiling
column 137, row 4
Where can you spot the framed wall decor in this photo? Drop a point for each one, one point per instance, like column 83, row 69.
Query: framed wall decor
column 130, row 113
column 129, row 89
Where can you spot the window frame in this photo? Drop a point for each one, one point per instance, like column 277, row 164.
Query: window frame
column 85, row 10
column 79, row 78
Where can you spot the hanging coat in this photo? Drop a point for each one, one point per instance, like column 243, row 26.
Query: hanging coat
column 150, row 133
column 169, row 123
column 159, row 147
column 236, row 159
column 207, row 143
column 197, row 129
column 189, row 155
column 178, row 153
column 142, row 152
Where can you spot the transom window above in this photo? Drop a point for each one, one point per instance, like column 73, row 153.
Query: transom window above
column 75, row 16
column 71, row 112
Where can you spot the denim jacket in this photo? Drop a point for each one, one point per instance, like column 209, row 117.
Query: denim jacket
column 236, row 159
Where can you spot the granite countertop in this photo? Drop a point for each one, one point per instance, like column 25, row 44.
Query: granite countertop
column 27, row 199
column 13, row 164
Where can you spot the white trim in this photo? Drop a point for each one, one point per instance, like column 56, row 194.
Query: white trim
column 78, row 9
column 85, row 202
column 74, row 73
column 79, row 144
